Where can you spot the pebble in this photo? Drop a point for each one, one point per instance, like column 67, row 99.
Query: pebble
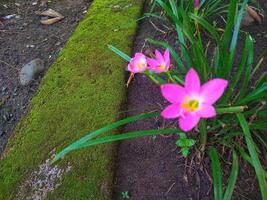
column 9, row 16
column 30, row 71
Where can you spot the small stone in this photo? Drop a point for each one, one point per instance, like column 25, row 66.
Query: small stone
column 9, row 16
column 30, row 71
column 4, row 89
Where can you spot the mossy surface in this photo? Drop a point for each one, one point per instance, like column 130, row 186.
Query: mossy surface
column 81, row 92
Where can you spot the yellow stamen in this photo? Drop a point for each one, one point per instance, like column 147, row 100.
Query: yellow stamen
column 161, row 66
column 139, row 66
column 191, row 105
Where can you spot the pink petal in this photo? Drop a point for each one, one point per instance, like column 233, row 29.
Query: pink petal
column 130, row 68
column 192, row 82
column 167, row 59
column 167, row 55
column 152, row 63
column 189, row 121
column 159, row 57
column 213, row 90
column 207, row 111
column 174, row 93
column 172, row 111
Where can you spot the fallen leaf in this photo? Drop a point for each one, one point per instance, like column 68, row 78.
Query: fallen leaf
column 51, row 13
column 254, row 14
column 50, row 21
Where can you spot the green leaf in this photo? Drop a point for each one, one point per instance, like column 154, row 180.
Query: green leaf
column 262, row 79
column 254, row 156
column 241, row 67
column 216, row 173
column 205, row 24
column 256, row 94
column 235, row 109
column 178, row 28
column 232, row 48
column 229, row 24
column 248, row 70
column 101, row 131
column 185, row 151
column 232, row 179
column 120, row 53
column 129, row 135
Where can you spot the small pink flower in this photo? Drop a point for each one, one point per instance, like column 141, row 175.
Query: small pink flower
column 161, row 63
column 196, row 4
column 138, row 63
column 193, row 101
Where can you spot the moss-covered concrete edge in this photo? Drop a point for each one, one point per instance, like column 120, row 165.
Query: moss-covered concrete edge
column 81, row 92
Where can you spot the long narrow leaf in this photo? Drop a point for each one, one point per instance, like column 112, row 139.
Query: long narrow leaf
column 101, row 131
column 232, row 179
column 120, row 53
column 129, row 135
column 205, row 24
column 217, row 174
column 234, row 39
column 254, row 156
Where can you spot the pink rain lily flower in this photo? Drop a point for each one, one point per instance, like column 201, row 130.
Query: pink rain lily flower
column 138, row 63
column 193, row 101
column 161, row 63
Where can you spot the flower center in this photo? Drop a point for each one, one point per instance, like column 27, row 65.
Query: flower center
column 161, row 66
column 191, row 105
column 140, row 66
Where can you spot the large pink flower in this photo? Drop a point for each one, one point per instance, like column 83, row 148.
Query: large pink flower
column 138, row 63
column 193, row 101
column 161, row 63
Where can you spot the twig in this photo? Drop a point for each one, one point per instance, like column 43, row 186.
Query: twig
column 170, row 188
column 158, row 29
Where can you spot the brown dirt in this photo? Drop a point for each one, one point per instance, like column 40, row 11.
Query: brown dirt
column 152, row 168
column 16, row 36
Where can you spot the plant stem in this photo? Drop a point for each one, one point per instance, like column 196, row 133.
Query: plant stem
column 203, row 134
column 170, row 77
column 234, row 109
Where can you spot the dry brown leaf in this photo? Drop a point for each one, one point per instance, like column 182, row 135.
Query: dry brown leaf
column 52, row 13
column 50, row 21
column 254, row 14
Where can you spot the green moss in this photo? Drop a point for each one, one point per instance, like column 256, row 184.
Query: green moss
column 81, row 92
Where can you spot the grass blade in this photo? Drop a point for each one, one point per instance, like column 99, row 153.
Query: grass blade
column 213, row 31
column 129, row 135
column 216, row 173
column 254, row 156
column 119, row 53
column 234, row 40
column 101, row 131
column 232, row 179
